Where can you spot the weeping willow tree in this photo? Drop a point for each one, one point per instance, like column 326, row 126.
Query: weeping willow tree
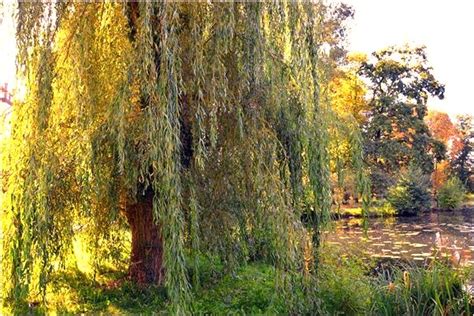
column 198, row 127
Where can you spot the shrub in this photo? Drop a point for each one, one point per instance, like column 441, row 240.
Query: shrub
column 383, row 208
column 344, row 285
column 451, row 194
column 410, row 195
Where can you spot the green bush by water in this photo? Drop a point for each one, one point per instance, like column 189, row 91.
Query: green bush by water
column 451, row 194
column 410, row 195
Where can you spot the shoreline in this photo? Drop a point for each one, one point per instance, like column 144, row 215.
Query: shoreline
column 351, row 213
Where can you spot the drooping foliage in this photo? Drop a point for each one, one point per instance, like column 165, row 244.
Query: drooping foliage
column 346, row 95
column 216, row 109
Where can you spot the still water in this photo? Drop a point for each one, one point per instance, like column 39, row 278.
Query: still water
column 420, row 238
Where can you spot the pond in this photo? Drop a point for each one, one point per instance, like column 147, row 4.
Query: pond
column 419, row 238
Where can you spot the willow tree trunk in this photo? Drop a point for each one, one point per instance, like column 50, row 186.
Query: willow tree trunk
column 146, row 262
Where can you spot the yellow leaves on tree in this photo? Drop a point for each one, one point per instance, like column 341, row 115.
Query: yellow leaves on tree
column 441, row 126
column 440, row 175
column 347, row 94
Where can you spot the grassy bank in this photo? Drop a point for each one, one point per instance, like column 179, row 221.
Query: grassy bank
column 379, row 208
column 357, row 212
column 469, row 201
column 344, row 284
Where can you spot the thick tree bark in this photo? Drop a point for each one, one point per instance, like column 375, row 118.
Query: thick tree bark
column 146, row 265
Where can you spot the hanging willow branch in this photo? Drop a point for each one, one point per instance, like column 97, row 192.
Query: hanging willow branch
column 213, row 109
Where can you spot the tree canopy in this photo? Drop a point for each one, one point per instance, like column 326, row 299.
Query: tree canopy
column 202, row 127
column 400, row 82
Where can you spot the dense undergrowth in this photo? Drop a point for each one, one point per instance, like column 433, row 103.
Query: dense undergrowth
column 346, row 284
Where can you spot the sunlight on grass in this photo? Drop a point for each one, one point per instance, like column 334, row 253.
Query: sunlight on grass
column 377, row 210
column 469, row 201
column 82, row 257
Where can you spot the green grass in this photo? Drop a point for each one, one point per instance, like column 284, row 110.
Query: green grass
column 77, row 293
column 469, row 201
column 378, row 209
column 345, row 284
column 250, row 291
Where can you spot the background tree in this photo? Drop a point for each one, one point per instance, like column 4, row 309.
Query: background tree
column 440, row 175
column 463, row 161
column 346, row 97
column 444, row 131
column 400, row 82
column 441, row 126
column 348, row 91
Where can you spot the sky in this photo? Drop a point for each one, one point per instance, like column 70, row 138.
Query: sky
column 7, row 44
column 446, row 28
column 7, row 55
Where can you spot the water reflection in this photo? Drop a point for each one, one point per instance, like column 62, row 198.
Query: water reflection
column 419, row 238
